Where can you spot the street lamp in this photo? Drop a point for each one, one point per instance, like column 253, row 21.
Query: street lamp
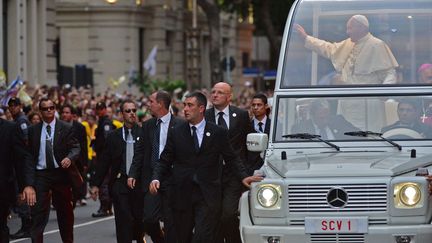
column 111, row 1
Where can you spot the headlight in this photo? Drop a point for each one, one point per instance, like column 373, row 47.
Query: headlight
column 407, row 195
column 269, row 195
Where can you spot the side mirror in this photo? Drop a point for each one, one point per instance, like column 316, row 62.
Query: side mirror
column 257, row 142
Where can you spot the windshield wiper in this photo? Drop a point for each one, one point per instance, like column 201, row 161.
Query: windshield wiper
column 372, row 134
column 311, row 137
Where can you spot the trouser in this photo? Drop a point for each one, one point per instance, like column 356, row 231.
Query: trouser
column 167, row 215
column 198, row 223
column 152, row 215
column 229, row 224
column 23, row 211
column 105, row 199
column 4, row 212
column 127, row 212
column 52, row 184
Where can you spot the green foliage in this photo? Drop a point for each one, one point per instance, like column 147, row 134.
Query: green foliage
column 279, row 10
column 147, row 85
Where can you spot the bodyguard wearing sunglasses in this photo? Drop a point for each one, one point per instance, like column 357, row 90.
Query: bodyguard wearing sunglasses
column 117, row 158
column 147, row 152
column 54, row 152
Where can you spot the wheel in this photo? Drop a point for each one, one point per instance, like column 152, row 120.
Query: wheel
column 402, row 133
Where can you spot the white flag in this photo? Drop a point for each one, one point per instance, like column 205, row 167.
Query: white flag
column 150, row 62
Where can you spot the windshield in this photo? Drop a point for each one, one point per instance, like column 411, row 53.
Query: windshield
column 330, row 117
column 362, row 43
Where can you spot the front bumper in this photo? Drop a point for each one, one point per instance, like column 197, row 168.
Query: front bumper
column 296, row 234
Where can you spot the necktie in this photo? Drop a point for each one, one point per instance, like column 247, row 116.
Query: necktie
column 129, row 150
column 49, row 149
column 155, row 143
column 195, row 139
column 221, row 120
column 260, row 128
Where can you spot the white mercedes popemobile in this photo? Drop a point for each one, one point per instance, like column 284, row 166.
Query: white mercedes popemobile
column 349, row 153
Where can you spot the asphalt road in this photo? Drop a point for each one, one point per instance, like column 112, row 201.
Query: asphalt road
column 86, row 228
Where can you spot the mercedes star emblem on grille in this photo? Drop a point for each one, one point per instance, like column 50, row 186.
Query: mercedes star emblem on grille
column 337, row 197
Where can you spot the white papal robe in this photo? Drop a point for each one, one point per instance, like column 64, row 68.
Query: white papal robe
column 367, row 61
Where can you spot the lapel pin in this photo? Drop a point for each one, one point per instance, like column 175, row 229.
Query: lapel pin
column 137, row 138
column 207, row 134
column 234, row 114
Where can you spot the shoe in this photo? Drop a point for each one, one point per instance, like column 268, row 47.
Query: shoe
column 102, row 213
column 20, row 234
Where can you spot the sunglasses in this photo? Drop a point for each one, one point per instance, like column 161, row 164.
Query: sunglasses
column 49, row 108
column 130, row 110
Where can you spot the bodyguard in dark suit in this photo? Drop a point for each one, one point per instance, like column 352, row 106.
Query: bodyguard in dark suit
column 261, row 124
column 54, row 152
column 147, row 152
column 104, row 127
column 13, row 154
column 192, row 155
column 238, row 124
column 67, row 115
column 260, row 110
column 323, row 123
column 117, row 158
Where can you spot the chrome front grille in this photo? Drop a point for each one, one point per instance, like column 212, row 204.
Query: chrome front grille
column 337, row 238
column 306, row 198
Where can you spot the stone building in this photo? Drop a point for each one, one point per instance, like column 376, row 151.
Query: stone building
column 44, row 40
column 28, row 40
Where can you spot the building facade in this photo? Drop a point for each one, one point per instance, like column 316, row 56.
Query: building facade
column 28, row 36
column 47, row 40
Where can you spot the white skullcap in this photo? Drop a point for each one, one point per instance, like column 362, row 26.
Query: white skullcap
column 361, row 19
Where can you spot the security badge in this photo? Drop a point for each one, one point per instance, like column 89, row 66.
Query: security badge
column 23, row 126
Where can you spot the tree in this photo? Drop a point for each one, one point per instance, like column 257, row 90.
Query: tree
column 270, row 18
column 212, row 11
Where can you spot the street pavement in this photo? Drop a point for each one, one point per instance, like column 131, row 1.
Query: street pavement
column 86, row 228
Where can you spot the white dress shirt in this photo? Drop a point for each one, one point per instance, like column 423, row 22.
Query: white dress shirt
column 200, row 127
column 263, row 121
column 41, row 165
column 164, row 132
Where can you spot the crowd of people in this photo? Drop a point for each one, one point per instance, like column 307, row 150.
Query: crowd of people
column 134, row 155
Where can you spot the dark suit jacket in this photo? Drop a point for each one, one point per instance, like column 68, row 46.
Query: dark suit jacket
column 104, row 127
column 239, row 127
column 203, row 169
column 337, row 124
column 114, row 156
column 13, row 160
column 254, row 158
column 64, row 146
column 81, row 136
column 141, row 167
